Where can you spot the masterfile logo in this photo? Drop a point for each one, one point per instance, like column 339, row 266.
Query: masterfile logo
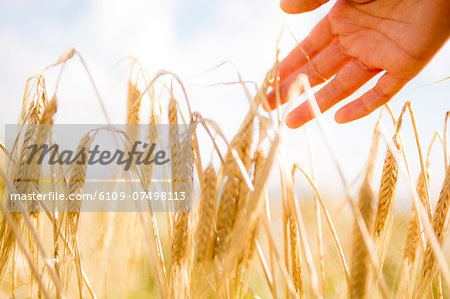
column 80, row 168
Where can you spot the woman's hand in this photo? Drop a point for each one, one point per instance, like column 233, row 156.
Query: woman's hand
column 356, row 41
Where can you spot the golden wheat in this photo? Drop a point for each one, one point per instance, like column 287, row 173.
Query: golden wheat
column 206, row 212
column 233, row 243
column 440, row 224
column 360, row 265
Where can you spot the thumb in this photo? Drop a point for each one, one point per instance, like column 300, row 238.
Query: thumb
column 298, row 6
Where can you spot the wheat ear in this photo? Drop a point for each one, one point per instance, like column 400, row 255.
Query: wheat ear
column 179, row 159
column 20, row 181
column 182, row 176
column 71, row 217
column 234, row 192
column 294, row 246
column 360, row 263
column 206, row 212
column 258, row 161
column 386, row 192
column 33, row 171
column 133, row 110
column 412, row 241
column 440, row 224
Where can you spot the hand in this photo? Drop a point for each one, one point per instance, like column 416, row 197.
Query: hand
column 356, row 41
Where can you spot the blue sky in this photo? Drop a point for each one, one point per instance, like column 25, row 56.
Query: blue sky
column 188, row 37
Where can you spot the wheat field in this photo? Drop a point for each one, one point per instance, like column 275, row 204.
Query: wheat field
column 237, row 241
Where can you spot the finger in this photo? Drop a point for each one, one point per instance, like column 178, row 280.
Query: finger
column 298, row 6
column 318, row 70
column 349, row 79
column 318, row 39
column 386, row 87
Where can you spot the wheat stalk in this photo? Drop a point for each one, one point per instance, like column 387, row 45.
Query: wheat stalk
column 181, row 173
column 204, row 234
column 440, row 224
column 226, row 213
column 246, row 255
column 412, row 240
column 78, row 175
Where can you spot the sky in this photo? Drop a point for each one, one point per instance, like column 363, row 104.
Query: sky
column 187, row 38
